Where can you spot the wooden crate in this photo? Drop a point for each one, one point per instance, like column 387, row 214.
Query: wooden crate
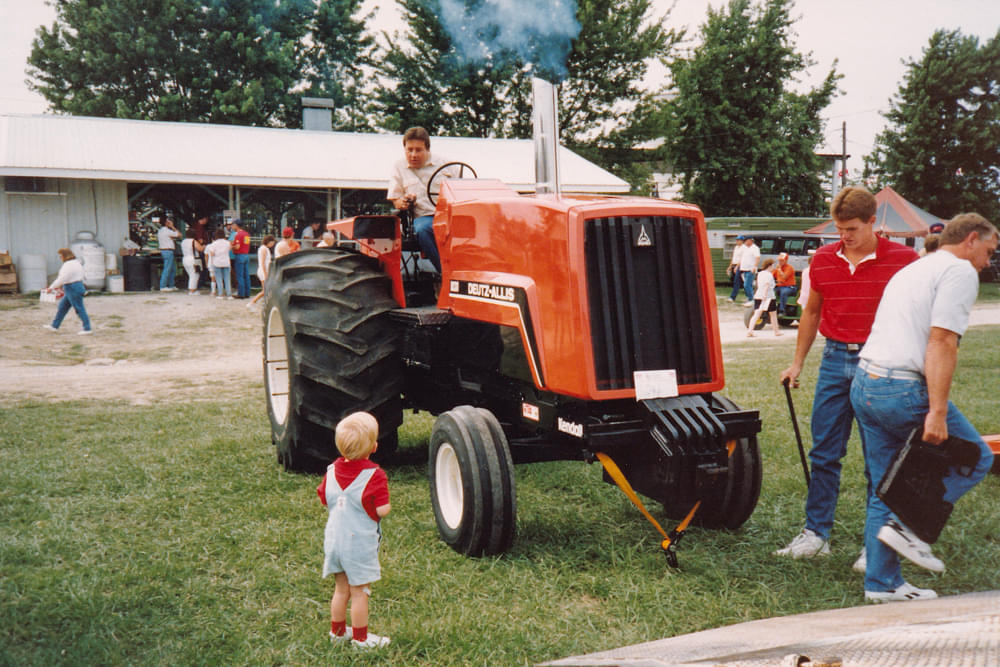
column 8, row 278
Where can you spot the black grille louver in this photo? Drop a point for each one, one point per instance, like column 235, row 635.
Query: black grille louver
column 646, row 312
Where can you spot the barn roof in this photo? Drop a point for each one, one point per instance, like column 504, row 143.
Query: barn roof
column 155, row 151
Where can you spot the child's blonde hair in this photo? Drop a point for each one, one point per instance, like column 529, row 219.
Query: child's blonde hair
column 356, row 435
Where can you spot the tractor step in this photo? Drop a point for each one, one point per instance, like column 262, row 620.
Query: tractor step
column 421, row 316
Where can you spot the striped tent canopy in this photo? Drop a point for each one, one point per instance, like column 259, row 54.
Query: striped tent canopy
column 894, row 217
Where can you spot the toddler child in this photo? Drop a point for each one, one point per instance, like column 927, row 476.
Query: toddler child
column 763, row 298
column 356, row 492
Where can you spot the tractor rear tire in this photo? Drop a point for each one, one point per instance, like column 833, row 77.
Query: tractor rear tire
column 472, row 482
column 330, row 349
column 734, row 498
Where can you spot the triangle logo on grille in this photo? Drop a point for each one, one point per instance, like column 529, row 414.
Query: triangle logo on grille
column 643, row 240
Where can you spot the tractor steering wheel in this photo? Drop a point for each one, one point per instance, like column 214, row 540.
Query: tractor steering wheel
column 434, row 183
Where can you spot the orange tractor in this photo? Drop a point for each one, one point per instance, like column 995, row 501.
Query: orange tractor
column 560, row 328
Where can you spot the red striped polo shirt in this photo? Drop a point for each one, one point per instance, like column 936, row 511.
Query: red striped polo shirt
column 850, row 300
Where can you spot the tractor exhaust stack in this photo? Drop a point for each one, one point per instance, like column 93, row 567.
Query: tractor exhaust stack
column 545, row 121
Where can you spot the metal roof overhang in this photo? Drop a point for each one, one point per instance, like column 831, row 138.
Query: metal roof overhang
column 199, row 153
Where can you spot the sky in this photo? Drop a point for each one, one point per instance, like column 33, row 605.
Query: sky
column 870, row 39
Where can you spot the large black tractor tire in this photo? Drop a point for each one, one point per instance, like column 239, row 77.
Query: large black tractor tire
column 472, row 482
column 330, row 349
column 735, row 497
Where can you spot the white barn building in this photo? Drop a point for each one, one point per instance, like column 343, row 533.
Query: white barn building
column 66, row 174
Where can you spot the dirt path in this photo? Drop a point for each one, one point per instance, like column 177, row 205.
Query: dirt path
column 173, row 347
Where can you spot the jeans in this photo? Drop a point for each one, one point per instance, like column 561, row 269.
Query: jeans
column 747, row 277
column 831, row 427
column 167, row 276
column 425, row 237
column 222, row 279
column 783, row 292
column 737, row 284
column 72, row 298
column 888, row 409
column 242, row 275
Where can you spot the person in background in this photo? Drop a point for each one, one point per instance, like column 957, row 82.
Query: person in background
column 264, row 256
column 356, row 492
column 749, row 259
column 311, row 234
column 241, row 253
column 165, row 236
column 734, row 268
column 784, row 281
column 846, row 283
column 218, row 256
column 70, row 278
column 327, row 241
column 203, row 235
column 190, row 249
column 287, row 244
column 902, row 383
column 763, row 298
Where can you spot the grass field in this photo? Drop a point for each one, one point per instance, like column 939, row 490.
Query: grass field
column 169, row 535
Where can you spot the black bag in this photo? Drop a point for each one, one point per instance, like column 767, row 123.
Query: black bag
column 913, row 486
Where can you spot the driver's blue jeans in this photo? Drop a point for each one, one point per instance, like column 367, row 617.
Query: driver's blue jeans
column 425, row 237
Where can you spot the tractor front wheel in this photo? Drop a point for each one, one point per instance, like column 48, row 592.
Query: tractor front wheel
column 472, row 482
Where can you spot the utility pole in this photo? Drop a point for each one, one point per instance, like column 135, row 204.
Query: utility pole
column 843, row 155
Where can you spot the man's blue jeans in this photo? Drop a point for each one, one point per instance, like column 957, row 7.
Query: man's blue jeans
column 72, row 298
column 831, row 427
column 783, row 292
column 737, row 284
column 425, row 237
column 747, row 277
column 888, row 409
column 167, row 276
column 242, row 275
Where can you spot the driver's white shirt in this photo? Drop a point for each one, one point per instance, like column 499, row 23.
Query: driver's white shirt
column 405, row 180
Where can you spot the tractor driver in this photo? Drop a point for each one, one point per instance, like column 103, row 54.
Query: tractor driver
column 408, row 188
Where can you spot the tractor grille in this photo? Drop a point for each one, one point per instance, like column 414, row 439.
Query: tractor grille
column 646, row 311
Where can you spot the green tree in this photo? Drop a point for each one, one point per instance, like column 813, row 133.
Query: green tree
column 222, row 61
column 742, row 139
column 475, row 78
column 941, row 149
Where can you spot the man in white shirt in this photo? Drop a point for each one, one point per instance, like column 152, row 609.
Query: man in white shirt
column 902, row 382
column 165, row 236
column 749, row 259
column 408, row 188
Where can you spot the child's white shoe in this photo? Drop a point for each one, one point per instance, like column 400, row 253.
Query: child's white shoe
column 373, row 641
column 339, row 638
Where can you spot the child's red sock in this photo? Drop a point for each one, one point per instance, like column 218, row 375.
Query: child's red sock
column 360, row 634
column 338, row 628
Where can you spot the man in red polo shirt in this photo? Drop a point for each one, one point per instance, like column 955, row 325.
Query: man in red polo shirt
column 847, row 280
column 241, row 251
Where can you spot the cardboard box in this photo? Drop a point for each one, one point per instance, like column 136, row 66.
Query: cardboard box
column 5, row 259
column 8, row 278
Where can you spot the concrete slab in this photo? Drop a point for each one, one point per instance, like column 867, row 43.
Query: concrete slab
column 954, row 630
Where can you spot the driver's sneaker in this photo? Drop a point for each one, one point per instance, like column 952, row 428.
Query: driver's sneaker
column 805, row 545
column 904, row 593
column 909, row 546
column 372, row 641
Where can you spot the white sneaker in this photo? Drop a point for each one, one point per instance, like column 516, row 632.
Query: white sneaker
column 748, row 304
column 909, row 546
column 861, row 564
column 373, row 641
column 904, row 593
column 84, row 332
column 805, row 545
column 339, row 638
column 49, row 327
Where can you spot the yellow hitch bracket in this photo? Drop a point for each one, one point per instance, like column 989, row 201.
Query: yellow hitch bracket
column 669, row 543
